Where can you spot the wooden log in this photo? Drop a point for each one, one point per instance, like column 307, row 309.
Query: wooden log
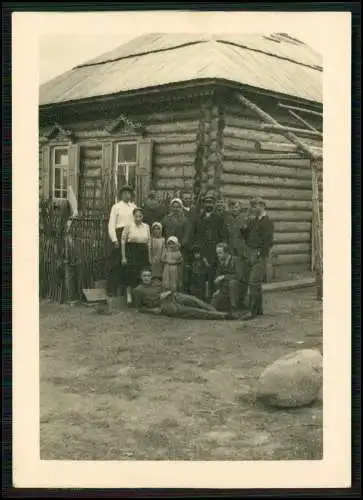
column 164, row 161
column 262, row 169
column 174, row 172
column 290, row 215
column 93, row 173
column 91, row 162
column 175, row 149
column 291, row 248
column 171, row 184
column 235, row 191
column 254, row 135
column 300, row 237
column 174, row 128
column 301, row 120
column 168, row 116
column 278, row 182
column 305, row 205
column 91, row 153
column 291, row 259
column 301, row 109
column 241, row 144
column 244, row 122
column 176, row 138
column 280, row 147
column 288, row 226
column 299, row 131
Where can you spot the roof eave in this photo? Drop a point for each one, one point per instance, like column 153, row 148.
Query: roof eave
column 197, row 85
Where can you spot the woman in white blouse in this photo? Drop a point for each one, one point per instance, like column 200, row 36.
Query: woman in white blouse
column 135, row 251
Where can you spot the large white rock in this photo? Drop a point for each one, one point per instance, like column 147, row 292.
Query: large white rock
column 292, row 381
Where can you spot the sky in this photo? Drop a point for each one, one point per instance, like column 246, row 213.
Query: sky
column 76, row 38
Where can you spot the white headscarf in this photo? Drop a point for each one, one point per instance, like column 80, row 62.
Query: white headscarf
column 177, row 200
column 173, row 239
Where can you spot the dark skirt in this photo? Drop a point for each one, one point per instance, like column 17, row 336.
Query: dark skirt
column 137, row 255
column 116, row 271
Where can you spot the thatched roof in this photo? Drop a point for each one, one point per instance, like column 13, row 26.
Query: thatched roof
column 275, row 63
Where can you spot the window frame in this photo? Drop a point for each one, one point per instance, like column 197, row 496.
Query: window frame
column 54, row 148
column 134, row 142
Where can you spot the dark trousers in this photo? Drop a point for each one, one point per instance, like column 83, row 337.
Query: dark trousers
column 255, row 272
column 115, row 276
column 180, row 305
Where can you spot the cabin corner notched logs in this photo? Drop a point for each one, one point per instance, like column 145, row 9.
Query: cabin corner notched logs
column 263, row 163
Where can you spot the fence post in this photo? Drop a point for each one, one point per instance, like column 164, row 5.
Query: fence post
column 67, row 273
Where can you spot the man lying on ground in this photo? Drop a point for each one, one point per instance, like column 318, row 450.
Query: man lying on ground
column 149, row 298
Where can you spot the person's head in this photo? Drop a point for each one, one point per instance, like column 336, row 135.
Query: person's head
column 146, row 276
column 220, row 206
column 156, row 230
column 257, row 206
column 138, row 215
column 222, row 250
column 173, row 243
column 187, row 199
column 236, row 208
column 196, row 253
column 176, row 206
column 209, row 203
column 126, row 194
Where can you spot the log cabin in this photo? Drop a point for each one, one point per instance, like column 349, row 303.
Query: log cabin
column 164, row 112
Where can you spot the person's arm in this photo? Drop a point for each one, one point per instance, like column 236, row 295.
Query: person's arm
column 124, row 237
column 268, row 236
column 112, row 226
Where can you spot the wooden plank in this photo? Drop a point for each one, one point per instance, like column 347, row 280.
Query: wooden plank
column 92, row 153
column 235, row 191
column 289, row 285
column 256, row 180
column 268, row 157
column 303, row 110
column 169, row 116
column 91, row 134
column 94, row 295
column 299, row 131
column 261, row 169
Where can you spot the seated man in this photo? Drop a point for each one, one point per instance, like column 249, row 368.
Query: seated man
column 226, row 298
column 149, row 298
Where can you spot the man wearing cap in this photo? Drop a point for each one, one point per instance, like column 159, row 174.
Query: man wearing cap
column 259, row 240
column 154, row 210
column 121, row 215
column 207, row 230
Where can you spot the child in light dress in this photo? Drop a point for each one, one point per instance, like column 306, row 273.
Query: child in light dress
column 172, row 261
column 157, row 247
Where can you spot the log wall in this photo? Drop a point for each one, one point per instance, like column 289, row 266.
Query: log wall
column 258, row 163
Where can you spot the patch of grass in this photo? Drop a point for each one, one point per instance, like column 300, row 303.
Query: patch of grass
column 135, row 387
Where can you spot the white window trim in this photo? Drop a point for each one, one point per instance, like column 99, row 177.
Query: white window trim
column 117, row 163
column 53, row 167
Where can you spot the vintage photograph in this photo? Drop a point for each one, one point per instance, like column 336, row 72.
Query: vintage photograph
column 180, row 247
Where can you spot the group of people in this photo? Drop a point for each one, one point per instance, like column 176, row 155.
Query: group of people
column 191, row 259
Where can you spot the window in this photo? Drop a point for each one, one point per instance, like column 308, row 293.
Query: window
column 60, row 173
column 126, row 161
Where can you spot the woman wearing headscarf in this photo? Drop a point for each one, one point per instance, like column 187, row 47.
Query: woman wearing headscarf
column 176, row 224
column 135, row 250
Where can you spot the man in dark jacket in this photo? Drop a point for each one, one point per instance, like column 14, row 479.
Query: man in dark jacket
column 154, row 209
column 259, row 240
column 207, row 230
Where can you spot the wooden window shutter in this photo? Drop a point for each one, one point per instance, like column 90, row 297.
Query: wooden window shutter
column 144, row 169
column 73, row 165
column 46, row 172
column 108, row 177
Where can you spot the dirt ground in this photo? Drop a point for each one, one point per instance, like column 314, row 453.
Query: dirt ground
column 136, row 387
